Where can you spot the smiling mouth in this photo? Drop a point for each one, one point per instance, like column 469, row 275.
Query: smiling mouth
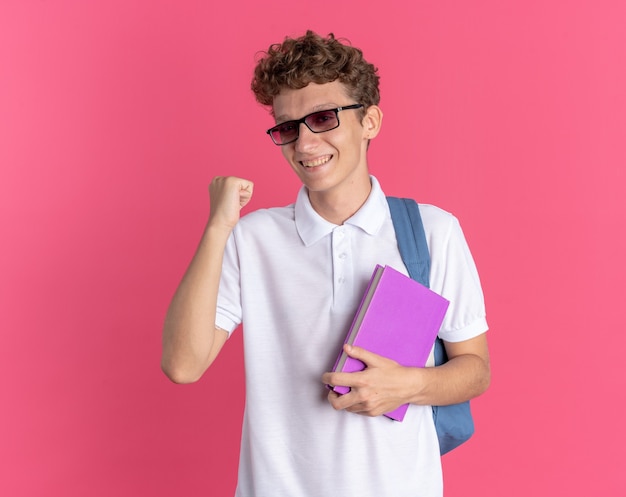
column 320, row 161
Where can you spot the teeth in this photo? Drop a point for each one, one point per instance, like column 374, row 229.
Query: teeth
column 317, row 162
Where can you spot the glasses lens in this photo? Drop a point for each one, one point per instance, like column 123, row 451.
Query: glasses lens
column 318, row 122
column 324, row 120
column 285, row 132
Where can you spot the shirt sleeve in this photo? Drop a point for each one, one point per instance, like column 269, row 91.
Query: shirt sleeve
column 455, row 277
column 229, row 310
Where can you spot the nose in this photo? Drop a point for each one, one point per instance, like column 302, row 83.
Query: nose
column 307, row 140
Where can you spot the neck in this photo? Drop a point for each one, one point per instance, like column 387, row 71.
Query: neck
column 338, row 206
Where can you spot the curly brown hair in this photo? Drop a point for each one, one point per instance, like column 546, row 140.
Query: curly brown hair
column 313, row 59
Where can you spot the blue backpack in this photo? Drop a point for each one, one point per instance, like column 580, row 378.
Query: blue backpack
column 454, row 423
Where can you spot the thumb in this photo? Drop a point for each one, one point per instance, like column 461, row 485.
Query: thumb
column 245, row 192
column 365, row 356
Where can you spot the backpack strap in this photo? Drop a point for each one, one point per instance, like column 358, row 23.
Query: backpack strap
column 454, row 423
column 411, row 238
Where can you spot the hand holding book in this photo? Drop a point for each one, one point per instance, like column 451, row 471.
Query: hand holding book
column 382, row 387
column 398, row 319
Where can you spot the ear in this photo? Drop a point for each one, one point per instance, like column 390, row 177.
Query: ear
column 372, row 121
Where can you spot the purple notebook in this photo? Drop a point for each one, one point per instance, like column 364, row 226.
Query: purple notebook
column 398, row 318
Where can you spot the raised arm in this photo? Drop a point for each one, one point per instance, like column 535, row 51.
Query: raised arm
column 190, row 339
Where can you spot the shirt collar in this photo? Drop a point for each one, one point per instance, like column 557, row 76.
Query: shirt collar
column 370, row 217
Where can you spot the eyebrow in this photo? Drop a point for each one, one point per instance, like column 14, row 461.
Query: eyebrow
column 317, row 108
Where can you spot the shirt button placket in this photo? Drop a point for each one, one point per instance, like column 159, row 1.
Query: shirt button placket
column 341, row 250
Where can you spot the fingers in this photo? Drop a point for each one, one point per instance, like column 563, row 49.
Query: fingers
column 350, row 380
column 245, row 192
column 373, row 391
column 356, row 403
column 231, row 184
column 374, row 363
column 365, row 356
column 228, row 195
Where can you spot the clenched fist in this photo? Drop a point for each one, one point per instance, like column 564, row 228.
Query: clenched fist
column 228, row 196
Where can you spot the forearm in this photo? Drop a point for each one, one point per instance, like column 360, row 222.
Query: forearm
column 384, row 384
column 189, row 336
column 461, row 378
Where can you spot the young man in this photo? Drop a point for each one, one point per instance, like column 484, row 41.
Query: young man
column 294, row 277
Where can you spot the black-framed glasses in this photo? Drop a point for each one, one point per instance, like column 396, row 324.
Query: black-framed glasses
column 317, row 122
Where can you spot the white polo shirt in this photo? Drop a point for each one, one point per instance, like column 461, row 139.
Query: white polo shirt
column 295, row 280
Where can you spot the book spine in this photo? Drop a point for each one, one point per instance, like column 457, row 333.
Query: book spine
column 343, row 357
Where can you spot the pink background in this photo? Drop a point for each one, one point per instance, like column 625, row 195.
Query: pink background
column 115, row 115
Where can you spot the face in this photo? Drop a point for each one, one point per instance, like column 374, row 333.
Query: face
column 333, row 162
